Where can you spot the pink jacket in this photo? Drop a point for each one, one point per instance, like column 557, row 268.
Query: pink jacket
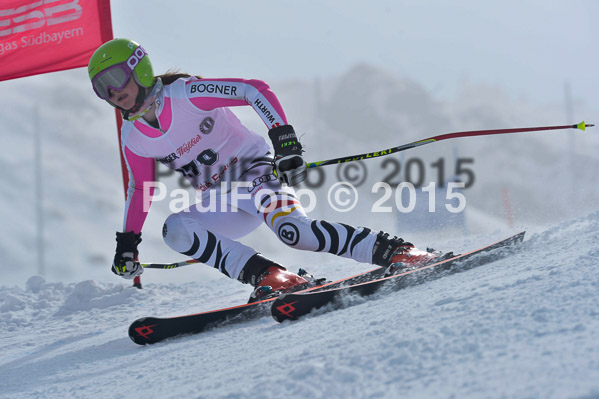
column 198, row 136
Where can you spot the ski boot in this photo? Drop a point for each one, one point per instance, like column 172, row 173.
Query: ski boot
column 276, row 281
column 271, row 279
column 397, row 255
column 410, row 258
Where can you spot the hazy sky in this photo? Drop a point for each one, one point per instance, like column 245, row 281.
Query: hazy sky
column 530, row 47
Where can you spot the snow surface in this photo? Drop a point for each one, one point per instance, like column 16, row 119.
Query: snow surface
column 521, row 327
column 517, row 328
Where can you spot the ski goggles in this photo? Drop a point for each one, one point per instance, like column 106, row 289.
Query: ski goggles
column 113, row 78
column 117, row 76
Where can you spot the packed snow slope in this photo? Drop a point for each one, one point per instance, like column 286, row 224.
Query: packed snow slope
column 522, row 327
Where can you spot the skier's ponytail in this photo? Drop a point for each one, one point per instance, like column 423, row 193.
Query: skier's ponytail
column 171, row 75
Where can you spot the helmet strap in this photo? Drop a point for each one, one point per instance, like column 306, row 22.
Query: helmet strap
column 143, row 102
column 139, row 101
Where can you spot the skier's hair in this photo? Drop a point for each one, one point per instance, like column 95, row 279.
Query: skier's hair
column 171, row 75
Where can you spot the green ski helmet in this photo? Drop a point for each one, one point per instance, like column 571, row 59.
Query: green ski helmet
column 114, row 62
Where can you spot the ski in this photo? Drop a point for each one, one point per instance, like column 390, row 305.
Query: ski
column 294, row 305
column 149, row 330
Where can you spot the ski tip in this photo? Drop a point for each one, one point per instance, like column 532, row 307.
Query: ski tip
column 582, row 126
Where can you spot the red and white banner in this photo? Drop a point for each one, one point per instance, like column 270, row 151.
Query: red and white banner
column 50, row 35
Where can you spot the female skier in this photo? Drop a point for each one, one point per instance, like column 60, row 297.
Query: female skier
column 185, row 123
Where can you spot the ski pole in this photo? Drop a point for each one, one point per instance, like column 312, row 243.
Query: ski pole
column 169, row 265
column 581, row 126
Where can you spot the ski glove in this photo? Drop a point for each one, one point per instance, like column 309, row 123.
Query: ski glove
column 289, row 167
column 125, row 263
